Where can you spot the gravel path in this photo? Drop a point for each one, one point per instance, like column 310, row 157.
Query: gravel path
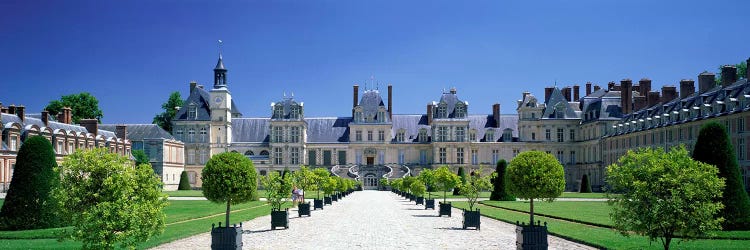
column 373, row 220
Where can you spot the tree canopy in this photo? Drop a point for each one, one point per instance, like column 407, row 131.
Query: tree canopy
column 140, row 157
column 714, row 147
column 535, row 175
column 108, row 200
column 29, row 203
column 445, row 180
column 664, row 195
column 164, row 119
column 475, row 184
column 230, row 177
column 427, row 176
column 83, row 106
column 278, row 188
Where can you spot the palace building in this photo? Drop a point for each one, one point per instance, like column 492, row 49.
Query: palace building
column 586, row 133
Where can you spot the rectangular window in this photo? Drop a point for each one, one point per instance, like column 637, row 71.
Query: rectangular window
column 59, row 147
column 294, row 135
column 442, row 153
column 400, row 136
column 191, row 156
column 560, row 133
column 358, row 135
column 204, row 156
column 572, row 134
column 740, row 125
column 294, row 156
column 548, row 134
column 277, row 156
column 495, row 155
column 191, row 135
column 741, row 149
column 381, row 135
column 422, row 157
column 203, row 134
column 401, row 156
column 516, row 152
column 533, row 136
column 573, row 157
column 474, row 157
column 178, row 134
column 460, row 155
column 442, row 133
column 472, row 136
column 278, row 134
column 460, row 134
column 560, row 156
column 369, row 135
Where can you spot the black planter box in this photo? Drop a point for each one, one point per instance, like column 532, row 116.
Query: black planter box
column 420, row 200
column 429, row 203
column 225, row 238
column 471, row 219
column 334, row 197
column 303, row 209
column 327, row 200
column 280, row 219
column 411, row 197
column 531, row 236
column 317, row 204
column 445, row 209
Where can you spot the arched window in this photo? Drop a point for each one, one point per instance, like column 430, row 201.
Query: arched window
column 249, row 152
column 264, row 152
column 203, row 134
column 263, row 172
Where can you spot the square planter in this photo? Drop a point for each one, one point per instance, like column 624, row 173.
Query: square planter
column 420, row 200
column 334, row 197
column 280, row 219
column 471, row 219
column 328, row 200
column 531, row 236
column 445, row 209
column 429, row 203
column 303, row 209
column 225, row 238
column 411, row 197
column 317, row 204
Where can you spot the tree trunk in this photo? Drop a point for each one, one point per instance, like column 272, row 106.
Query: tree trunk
column 531, row 212
column 444, row 195
column 227, row 214
column 667, row 240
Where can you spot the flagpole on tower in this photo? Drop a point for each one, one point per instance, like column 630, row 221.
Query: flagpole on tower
column 220, row 47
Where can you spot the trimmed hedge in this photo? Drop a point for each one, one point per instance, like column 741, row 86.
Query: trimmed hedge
column 585, row 184
column 184, row 181
column 498, row 192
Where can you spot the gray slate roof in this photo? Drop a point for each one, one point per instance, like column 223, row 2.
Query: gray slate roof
column 411, row 124
column 555, row 99
column 370, row 103
column 200, row 98
column 328, row 129
column 6, row 118
column 450, row 99
column 251, row 130
column 139, row 132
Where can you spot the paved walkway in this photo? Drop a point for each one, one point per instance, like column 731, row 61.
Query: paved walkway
column 178, row 198
column 373, row 220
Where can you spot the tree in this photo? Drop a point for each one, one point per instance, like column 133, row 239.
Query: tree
column 83, row 106
column 329, row 185
column 475, row 184
column 278, row 189
column 461, row 174
column 108, row 200
column 305, row 179
column 418, row 188
column 184, row 181
column 427, row 176
column 164, row 119
column 407, row 181
column 445, row 180
column 535, row 175
column 498, row 192
column 140, row 157
column 741, row 72
column 585, row 185
column 29, row 203
column 321, row 177
column 230, row 177
column 714, row 147
column 664, row 194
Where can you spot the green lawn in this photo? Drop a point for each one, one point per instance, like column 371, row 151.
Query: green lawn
column 184, row 219
column 583, row 195
column 599, row 236
column 591, row 212
column 184, row 193
column 439, row 195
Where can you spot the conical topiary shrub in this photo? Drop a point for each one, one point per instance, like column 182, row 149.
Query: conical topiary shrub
column 184, row 181
column 461, row 174
column 498, row 192
column 585, row 185
column 29, row 203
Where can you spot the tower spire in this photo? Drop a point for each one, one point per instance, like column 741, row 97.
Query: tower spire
column 220, row 72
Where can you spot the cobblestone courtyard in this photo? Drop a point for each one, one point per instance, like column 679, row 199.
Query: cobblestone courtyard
column 373, row 220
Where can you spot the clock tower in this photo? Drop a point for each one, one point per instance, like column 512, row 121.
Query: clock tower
column 221, row 110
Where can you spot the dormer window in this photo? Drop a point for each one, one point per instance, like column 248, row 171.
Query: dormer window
column 192, row 111
column 559, row 110
column 400, row 135
column 460, row 110
column 278, row 111
column 381, row 116
column 507, row 135
column 358, row 116
column 442, row 111
column 294, row 112
column 422, row 135
column 489, row 136
column 473, row 135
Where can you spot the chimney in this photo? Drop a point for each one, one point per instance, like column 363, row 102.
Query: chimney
column 588, row 88
column 669, row 93
column 728, row 75
column 687, row 88
column 193, row 84
column 706, row 81
column 653, row 98
column 68, row 115
column 121, row 131
column 496, row 114
column 4, row 110
column 547, row 93
column 566, row 93
column 611, row 86
column 21, row 112
column 429, row 114
column 45, row 118
column 355, row 96
column 645, row 86
column 597, row 88
column 626, row 96
column 12, row 109
column 576, row 92
column 639, row 102
column 91, row 125
column 390, row 102
column 61, row 117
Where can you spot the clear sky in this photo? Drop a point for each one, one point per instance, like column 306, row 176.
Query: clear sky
column 132, row 54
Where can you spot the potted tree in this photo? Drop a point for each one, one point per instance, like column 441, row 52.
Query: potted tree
column 418, row 189
column 329, row 185
column 321, row 176
column 384, row 184
column 407, row 187
column 396, row 186
column 445, row 181
column 428, row 177
column 229, row 178
column 341, row 186
column 305, row 179
column 278, row 189
column 475, row 184
column 534, row 175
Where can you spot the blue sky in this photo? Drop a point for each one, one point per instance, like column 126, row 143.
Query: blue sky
column 131, row 55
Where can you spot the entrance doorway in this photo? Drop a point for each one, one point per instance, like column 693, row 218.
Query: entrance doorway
column 370, row 161
column 370, row 182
